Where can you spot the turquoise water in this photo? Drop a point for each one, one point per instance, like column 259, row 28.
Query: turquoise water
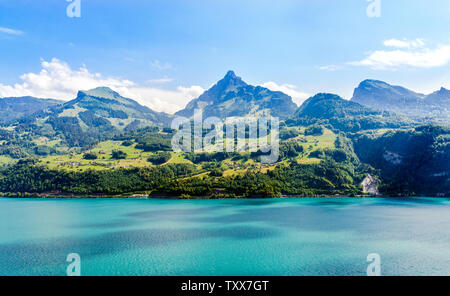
column 225, row 237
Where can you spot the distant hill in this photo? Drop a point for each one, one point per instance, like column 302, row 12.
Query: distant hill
column 231, row 96
column 440, row 98
column 92, row 115
column 326, row 106
column 18, row 107
column 383, row 96
column 344, row 115
column 121, row 112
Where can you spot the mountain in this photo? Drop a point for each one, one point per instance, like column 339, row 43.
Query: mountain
column 439, row 98
column 326, row 106
column 122, row 113
column 231, row 96
column 344, row 115
column 383, row 96
column 92, row 115
column 18, row 107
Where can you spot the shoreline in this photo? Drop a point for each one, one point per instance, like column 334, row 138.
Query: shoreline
column 166, row 197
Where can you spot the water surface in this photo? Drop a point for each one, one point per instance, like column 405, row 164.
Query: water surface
column 330, row 236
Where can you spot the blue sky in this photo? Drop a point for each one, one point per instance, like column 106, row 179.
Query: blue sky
column 164, row 53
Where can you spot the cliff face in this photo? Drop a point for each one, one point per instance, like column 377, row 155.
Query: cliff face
column 370, row 185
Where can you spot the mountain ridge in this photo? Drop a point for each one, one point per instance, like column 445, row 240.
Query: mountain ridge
column 383, row 96
column 319, row 106
column 231, row 97
column 15, row 108
column 345, row 115
column 94, row 114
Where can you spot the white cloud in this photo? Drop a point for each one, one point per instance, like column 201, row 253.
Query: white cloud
column 330, row 68
column 169, row 101
column 160, row 80
column 412, row 54
column 291, row 90
column 404, row 43
column 58, row 81
column 160, row 65
column 10, row 31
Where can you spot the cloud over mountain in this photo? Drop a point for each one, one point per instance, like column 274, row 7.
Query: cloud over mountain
column 58, row 80
column 297, row 96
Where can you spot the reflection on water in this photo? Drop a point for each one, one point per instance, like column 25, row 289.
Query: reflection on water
column 330, row 236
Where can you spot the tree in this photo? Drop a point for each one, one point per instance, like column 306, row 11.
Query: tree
column 314, row 130
column 159, row 158
column 127, row 143
column 90, row 156
column 216, row 172
column 118, row 154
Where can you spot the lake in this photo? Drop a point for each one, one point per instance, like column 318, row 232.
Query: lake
column 326, row 236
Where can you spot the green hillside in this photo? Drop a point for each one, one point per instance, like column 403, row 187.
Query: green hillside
column 93, row 116
column 411, row 161
column 12, row 109
column 345, row 115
